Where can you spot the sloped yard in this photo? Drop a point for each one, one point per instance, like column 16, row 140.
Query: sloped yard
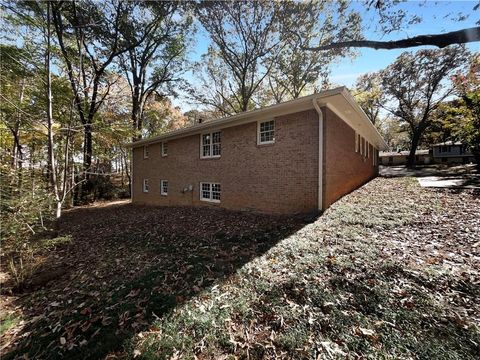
column 390, row 271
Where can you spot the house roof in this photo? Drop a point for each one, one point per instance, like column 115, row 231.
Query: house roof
column 446, row 143
column 339, row 100
column 402, row 153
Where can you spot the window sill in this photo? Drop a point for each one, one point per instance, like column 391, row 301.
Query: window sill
column 211, row 201
column 210, row 157
column 164, row 194
column 270, row 143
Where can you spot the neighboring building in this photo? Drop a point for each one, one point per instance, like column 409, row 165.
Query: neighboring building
column 447, row 152
column 452, row 152
column 400, row 157
column 295, row 157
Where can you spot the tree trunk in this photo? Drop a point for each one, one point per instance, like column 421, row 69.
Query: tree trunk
column 51, row 154
column 411, row 161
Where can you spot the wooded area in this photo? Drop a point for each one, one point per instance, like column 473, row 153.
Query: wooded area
column 80, row 79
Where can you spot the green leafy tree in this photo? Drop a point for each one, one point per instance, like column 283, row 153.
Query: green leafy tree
column 370, row 96
column 468, row 88
column 416, row 84
column 153, row 67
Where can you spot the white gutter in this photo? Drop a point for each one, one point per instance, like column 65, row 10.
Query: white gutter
column 320, row 154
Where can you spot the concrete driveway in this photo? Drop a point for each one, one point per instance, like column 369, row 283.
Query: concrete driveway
column 438, row 176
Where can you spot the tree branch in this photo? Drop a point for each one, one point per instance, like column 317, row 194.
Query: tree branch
column 439, row 40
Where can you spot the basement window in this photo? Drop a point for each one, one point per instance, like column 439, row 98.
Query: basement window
column 164, row 148
column 145, row 152
column 164, row 187
column 211, row 145
column 210, row 192
column 266, row 132
column 145, row 185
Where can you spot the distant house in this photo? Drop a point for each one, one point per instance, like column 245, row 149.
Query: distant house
column 451, row 152
column 294, row 157
column 393, row 158
column 446, row 152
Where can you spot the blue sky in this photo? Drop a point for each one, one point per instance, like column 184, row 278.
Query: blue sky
column 345, row 72
column 434, row 21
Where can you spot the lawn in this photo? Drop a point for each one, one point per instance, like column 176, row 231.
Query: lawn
column 391, row 270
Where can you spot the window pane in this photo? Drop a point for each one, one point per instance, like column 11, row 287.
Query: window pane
column 216, row 191
column 164, row 148
column 206, row 150
column 206, row 139
column 216, row 137
column 267, row 131
column 205, row 191
column 216, row 150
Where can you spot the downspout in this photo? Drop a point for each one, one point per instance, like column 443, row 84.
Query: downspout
column 320, row 154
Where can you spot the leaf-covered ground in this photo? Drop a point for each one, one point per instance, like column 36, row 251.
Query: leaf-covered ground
column 390, row 271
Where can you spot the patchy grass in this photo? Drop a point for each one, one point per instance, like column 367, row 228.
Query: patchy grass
column 384, row 273
column 114, row 270
column 389, row 271
column 7, row 322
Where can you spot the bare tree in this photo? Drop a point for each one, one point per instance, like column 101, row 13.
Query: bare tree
column 297, row 71
column 244, row 35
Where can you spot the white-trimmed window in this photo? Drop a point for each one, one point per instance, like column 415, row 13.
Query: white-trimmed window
column 145, row 152
column 164, row 187
column 210, row 192
column 145, row 185
column 356, row 142
column 266, row 132
column 211, row 145
column 368, row 148
column 164, row 148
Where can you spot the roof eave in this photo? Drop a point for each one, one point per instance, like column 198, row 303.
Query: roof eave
column 273, row 110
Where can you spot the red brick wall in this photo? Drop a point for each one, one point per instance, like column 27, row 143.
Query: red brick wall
column 277, row 178
column 344, row 169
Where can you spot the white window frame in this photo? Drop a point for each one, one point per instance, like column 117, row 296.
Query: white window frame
column 145, row 186
column 356, row 142
column 164, row 153
column 259, row 123
column 211, row 156
column 210, row 198
column 162, row 192
column 367, row 144
column 145, row 152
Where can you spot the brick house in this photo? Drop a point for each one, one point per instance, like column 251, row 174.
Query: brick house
column 299, row 156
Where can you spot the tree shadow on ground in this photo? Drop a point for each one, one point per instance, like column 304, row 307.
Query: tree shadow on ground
column 127, row 265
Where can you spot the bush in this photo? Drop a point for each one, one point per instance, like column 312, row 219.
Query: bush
column 24, row 213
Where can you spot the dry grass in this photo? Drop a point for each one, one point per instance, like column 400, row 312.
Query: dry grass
column 389, row 271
